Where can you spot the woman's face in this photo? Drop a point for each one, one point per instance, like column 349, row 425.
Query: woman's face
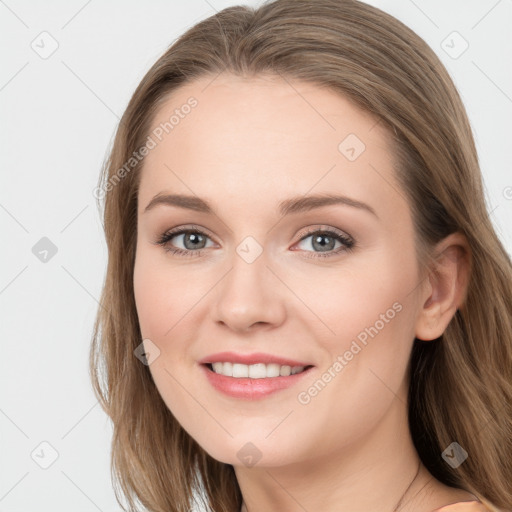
column 259, row 281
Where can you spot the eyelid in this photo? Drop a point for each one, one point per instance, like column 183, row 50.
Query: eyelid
column 187, row 228
column 325, row 229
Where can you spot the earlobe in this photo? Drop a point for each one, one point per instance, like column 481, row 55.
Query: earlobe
column 446, row 286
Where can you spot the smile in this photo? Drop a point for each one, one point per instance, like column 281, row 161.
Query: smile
column 252, row 376
column 254, row 371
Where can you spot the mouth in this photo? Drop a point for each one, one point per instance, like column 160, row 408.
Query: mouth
column 254, row 371
column 252, row 376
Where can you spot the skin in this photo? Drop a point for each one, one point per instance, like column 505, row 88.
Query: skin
column 249, row 144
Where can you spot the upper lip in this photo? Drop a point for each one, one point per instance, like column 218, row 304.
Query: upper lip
column 248, row 359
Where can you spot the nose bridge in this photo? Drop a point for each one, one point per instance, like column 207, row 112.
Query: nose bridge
column 249, row 292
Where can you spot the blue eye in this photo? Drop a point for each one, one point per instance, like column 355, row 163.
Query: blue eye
column 323, row 242
column 192, row 237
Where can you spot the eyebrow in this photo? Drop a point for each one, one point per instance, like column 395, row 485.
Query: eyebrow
column 289, row 206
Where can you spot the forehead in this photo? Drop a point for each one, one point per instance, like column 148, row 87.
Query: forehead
column 265, row 137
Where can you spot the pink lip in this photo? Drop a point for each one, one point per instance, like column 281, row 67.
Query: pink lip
column 250, row 389
column 246, row 388
column 232, row 357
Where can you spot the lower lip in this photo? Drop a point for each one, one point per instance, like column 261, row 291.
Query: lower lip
column 251, row 389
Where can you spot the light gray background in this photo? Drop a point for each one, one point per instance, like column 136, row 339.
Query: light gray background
column 58, row 116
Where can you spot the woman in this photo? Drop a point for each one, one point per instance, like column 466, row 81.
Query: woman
column 306, row 306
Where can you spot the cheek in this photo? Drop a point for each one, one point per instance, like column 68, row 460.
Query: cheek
column 150, row 297
column 370, row 312
column 163, row 295
column 161, row 310
column 166, row 299
column 366, row 361
column 367, row 296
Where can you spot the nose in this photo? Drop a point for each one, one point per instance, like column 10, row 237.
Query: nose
column 250, row 296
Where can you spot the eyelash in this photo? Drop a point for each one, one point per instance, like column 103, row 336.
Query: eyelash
column 347, row 241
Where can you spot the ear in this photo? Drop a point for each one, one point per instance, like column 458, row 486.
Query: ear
column 446, row 286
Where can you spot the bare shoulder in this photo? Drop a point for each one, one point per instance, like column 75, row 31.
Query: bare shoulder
column 457, row 500
column 439, row 497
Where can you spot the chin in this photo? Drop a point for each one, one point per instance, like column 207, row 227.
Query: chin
column 245, row 450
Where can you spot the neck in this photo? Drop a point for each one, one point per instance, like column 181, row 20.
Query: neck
column 374, row 473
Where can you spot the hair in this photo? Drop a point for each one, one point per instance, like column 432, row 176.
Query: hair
column 460, row 385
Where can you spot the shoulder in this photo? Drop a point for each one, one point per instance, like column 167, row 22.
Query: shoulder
column 463, row 506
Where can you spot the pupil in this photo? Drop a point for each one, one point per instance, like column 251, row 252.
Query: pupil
column 194, row 237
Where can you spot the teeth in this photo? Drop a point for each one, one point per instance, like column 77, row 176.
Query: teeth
column 285, row 371
column 240, row 370
column 255, row 371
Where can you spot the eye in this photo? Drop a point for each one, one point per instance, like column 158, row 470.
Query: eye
column 324, row 241
column 192, row 239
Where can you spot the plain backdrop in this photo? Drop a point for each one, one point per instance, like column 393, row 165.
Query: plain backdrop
column 68, row 71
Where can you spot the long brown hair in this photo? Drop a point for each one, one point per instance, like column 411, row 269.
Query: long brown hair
column 460, row 384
